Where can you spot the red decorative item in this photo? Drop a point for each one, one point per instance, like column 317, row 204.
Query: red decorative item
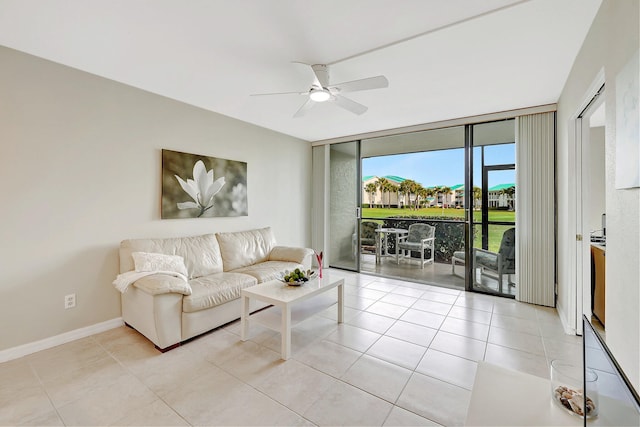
column 319, row 259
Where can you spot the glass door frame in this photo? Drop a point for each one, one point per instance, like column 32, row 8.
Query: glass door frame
column 358, row 212
column 469, row 209
column 343, row 264
column 467, row 197
column 485, row 222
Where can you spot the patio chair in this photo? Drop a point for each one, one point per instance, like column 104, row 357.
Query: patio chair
column 367, row 237
column 421, row 237
column 501, row 263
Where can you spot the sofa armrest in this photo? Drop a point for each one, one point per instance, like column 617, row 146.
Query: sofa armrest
column 293, row 254
column 157, row 284
column 157, row 317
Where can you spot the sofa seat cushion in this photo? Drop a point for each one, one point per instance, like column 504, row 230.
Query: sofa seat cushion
column 215, row 289
column 268, row 270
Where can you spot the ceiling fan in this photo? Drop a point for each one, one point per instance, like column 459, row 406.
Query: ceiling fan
column 322, row 91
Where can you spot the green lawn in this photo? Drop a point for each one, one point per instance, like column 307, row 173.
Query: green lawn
column 495, row 231
column 495, row 236
column 494, row 215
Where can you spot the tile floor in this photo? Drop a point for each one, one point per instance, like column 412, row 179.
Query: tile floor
column 406, row 355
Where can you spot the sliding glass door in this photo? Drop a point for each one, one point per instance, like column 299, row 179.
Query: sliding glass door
column 493, row 264
column 456, row 185
column 344, row 203
column 413, row 212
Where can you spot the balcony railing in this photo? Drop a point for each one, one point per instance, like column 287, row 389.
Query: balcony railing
column 449, row 234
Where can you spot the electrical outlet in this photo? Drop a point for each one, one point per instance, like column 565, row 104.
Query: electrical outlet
column 69, row 301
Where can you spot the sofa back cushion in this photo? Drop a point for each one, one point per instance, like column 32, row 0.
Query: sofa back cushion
column 242, row 248
column 201, row 253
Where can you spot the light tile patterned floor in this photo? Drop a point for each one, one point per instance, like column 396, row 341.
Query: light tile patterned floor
column 406, row 355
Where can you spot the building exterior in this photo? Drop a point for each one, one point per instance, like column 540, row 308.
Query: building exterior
column 457, row 193
column 393, row 198
column 499, row 196
column 380, row 198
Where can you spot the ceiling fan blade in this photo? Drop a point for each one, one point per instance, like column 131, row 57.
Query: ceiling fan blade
column 305, row 107
column 322, row 74
column 316, row 82
column 349, row 105
column 279, row 93
column 377, row 82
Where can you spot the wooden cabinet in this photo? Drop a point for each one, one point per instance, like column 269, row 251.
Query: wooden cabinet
column 597, row 278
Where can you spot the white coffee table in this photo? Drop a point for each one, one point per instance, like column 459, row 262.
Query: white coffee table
column 287, row 297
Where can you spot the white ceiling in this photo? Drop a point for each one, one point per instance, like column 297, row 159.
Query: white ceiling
column 444, row 59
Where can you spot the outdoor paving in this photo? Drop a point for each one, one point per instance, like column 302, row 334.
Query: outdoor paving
column 437, row 274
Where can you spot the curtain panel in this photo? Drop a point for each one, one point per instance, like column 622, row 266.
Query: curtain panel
column 535, row 203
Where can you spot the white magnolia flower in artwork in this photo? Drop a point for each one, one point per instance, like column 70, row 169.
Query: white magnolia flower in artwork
column 239, row 197
column 201, row 188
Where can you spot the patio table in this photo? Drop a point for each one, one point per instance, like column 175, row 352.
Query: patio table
column 382, row 240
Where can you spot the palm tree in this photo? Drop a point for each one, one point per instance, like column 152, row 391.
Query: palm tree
column 415, row 189
column 428, row 192
column 371, row 188
column 510, row 192
column 477, row 195
column 407, row 188
column 417, row 193
column 390, row 188
column 444, row 190
column 421, row 193
column 385, row 187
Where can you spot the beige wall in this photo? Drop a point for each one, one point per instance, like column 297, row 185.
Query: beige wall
column 611, row 41
column 80, row 165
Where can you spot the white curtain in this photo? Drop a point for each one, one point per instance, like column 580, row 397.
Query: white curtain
column 535, row 226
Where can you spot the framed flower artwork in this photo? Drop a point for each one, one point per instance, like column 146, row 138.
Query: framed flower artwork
column 197, row 186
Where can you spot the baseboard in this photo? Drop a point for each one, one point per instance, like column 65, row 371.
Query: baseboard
column 562, row 314
column 33, row 347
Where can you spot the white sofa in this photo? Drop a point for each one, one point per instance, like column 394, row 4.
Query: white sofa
column 218, row 267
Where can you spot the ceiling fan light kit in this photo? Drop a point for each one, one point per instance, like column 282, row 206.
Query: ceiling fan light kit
column 322, row 91
column 319, row 95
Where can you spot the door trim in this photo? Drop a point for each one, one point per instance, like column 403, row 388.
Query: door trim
column 569, row 315
column 583, row 199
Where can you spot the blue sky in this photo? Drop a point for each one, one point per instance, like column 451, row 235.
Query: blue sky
column 442, row 167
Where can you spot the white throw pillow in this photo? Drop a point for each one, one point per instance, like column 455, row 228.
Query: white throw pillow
column 145, row 261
